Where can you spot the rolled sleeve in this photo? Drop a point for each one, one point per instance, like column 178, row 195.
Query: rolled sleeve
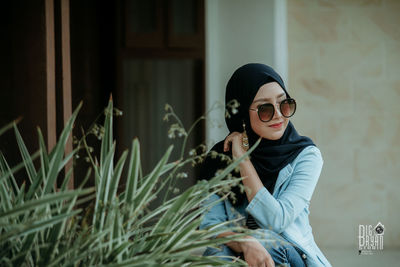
column 277, row 214
column 216, row 213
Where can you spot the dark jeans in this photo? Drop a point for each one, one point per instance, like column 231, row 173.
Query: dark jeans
column 282, row 252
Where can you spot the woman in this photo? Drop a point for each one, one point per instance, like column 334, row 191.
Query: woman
column 279, row 177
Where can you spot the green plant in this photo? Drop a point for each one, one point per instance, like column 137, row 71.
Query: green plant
column 41, row 225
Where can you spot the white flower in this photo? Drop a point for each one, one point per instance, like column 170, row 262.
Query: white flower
column 182, row 175
column 117, row 112
column 166, row 117
column 192, row 152
column 167, row 107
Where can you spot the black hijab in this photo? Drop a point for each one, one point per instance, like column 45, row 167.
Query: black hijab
column 270, row 156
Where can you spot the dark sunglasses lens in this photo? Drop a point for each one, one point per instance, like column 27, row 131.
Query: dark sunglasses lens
column 266, row 112
column 288, row 107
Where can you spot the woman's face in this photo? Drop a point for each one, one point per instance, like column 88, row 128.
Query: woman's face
column 273, row 130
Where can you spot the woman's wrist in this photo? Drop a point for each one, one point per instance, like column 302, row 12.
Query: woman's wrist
column 244, row 245
column 245, row 162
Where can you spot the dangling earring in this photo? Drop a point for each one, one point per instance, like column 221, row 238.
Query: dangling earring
column 245, row 139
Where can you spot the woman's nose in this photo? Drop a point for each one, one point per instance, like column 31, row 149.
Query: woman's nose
column 277, row 110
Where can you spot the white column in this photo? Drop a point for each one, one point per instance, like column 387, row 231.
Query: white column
column 240, row 32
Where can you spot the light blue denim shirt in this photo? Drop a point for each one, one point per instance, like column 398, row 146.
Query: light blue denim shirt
column 286, row 210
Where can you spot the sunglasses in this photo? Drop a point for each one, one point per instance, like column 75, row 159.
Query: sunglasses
column 266, row 111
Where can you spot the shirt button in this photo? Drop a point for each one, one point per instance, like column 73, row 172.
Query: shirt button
column 304, row 256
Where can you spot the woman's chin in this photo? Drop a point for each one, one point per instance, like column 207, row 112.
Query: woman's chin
column 273, row 136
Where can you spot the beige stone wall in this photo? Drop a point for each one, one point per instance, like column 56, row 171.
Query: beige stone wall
column 344, row 71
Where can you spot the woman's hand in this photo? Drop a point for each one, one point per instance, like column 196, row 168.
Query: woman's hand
column 255, row 254
column 251, row 180
column 234, row 140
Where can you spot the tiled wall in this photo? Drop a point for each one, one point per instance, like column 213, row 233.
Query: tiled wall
column 344, row 71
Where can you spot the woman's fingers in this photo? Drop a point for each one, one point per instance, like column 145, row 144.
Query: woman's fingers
column 234, row 142
column 269, row 262
column 229, row 139
column 226, row 143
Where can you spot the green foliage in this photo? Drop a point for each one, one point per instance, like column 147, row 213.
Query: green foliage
column 110, row 224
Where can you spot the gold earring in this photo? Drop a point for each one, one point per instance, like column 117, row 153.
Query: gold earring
column 245, row 139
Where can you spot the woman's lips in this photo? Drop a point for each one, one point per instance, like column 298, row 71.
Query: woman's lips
column 277, row 125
